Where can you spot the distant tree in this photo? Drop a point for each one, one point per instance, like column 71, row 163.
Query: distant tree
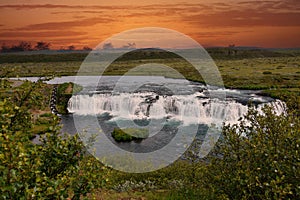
column 86, row 48
column 231, row 50
column 62, row 48
column 42, row 46
column 22, row 46
column 108, row 46
column 5, row 48
column 25, row 46
column 71, row 48
column 129, row 46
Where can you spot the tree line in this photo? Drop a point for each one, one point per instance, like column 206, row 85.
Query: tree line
column 38, row 46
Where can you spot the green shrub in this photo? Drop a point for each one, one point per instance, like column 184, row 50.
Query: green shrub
column 267, row 72
column 46, row 115
column 258, row 160
column 57, row 168
column 280, row 67
column 129, row 134
column 64, row 93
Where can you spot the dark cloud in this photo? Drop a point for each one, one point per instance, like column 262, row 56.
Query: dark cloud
column 67, row 39
column 242, row 14
column 213, row 34
column 221, row 14
column 96, row 9
column 41, row 34
column 220, row 4
column 144, row 14
column 256, row 2
column 79, row 17
column 67, row 24
column 91, row 12
column 64, row 12
column 239, row 15
column 78, row 11
column 249, row 14
column 10, row 42
column 248, row 18
column 276, row 4
column 129, row 46
column 273, row 4
column 36, row 6
column 108, row 46
column 56, row 6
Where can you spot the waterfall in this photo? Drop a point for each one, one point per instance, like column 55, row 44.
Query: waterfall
column 186, row 108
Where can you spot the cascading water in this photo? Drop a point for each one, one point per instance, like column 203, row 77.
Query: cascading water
column 192, row 109
column 187, row 108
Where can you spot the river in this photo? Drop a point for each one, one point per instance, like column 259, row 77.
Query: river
column 164, row 106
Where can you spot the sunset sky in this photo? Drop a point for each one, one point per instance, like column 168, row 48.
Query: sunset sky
column 261, row 23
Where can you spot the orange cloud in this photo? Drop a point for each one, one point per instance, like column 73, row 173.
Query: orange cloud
column 243, row 19
column 45, row 34
column 53, row 6
column 68, row 24
column 240, row 21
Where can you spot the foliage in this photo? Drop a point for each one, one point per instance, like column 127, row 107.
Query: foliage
column 22, row 46
column 25, row 46
column 267, row 72
column 261, row 163
column 258, row 158
column 86, row 48
column 129, row 134
column 57, row 167
column 290, row 96
column 42, row 46
column 71, row 48
column 64, row 93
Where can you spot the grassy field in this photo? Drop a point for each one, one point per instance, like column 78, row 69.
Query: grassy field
column 283, row 72
column 246, row 69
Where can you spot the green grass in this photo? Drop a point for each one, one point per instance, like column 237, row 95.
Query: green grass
column 255, row 69
column 29, row 69
column 41, row 123
column 38, row 58
column 261, row 73
column 216, row 53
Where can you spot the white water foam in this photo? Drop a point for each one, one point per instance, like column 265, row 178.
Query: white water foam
column 186, row 108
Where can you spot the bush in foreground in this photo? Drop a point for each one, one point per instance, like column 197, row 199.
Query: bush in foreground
column 258, row 158
column 56, row 168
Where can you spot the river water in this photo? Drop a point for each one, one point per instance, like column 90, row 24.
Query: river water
column 164, row 106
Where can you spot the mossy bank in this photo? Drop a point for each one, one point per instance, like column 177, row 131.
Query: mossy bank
column 64, row 93
column 129, row 134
